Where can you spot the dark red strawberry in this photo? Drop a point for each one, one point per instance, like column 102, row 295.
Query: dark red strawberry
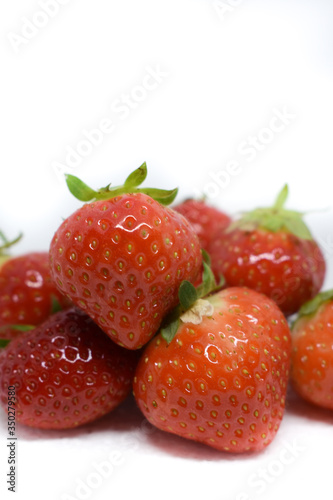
column 122, row 257
column 27, row 293
column 312, row 353
column 272, row 251
column 218, row 375
column 207, row 221
column 66, row 372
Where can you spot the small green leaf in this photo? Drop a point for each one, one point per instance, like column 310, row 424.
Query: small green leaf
column 208, row 281
column 163, row 196
column 272, row 223
column 169, row 332
column 221, row 282
column 105, row 189
column 312, row 305
column 206, row 257
column 274, row 219
column 85, row 193
column 281, row 197
column 79, row 189
column 55, row 305
column 297, row 227
column 6, row 243
column 243, row 224
column 137, row 177
column 19, row 328
column 187, row 295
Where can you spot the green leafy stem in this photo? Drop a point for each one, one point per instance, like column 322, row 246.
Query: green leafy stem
column 188, row 294
column 85, row 193
column 19, row 328
column 274, row 219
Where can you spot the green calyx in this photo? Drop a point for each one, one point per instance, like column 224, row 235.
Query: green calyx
column 274, row 219
column 5, row 244
column 85, row 193
column 312, row 306
column 188, row 295
column 19, row 328
column 55, row 305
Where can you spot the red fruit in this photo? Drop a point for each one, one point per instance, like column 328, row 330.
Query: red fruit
column 272, row 251
column 66, row 372
column 312, row 353
column 207, row 221
column 122, row 259
column 27, row 292
column 222, row 381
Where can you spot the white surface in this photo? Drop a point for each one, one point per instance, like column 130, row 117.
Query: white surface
column 224, row 78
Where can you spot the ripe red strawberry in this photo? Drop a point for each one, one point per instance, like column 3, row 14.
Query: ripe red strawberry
column 207, row 221
column 122, row 257
column 271, row 250
column 27, row 292
column 66, row 372
column 312, row 351
column 222, row 378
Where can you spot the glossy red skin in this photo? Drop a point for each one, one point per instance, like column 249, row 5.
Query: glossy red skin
column 312, row 357
column 67, row 372
column 287, row 269
column 26, row 291
column 207, row 221
column 210, row 381
column 122, row 261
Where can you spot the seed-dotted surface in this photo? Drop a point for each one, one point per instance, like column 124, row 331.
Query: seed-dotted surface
column 122, row 261
column 287, row 269
column 312, row 357
column 66, row 372
column 26, row 292
column 222, row 382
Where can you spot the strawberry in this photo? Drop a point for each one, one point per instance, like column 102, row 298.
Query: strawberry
column 271, row 250
column 66, row 372
column 207, row 221
column 218, row 374
column 312, row 351
column 27, row 293
column 122, row 257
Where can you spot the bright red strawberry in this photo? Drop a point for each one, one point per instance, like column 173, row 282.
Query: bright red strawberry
column 122, row 257
column 207, row 221
column 312, row 353
column 222, row 378
column 272, row 251
column 66, row 372
column 27, row 292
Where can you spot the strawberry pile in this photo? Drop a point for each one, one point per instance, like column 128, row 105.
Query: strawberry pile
column 186, row 307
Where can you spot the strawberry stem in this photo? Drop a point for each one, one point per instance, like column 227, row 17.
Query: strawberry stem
column 312, row 306
column 281, row 198
column 274, row 219
column 85, row 193
column 7, row 243
column 188, row 295
column 55, row 305
column 19, row 328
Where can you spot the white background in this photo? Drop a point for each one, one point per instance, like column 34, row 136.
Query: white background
column 227, row 68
